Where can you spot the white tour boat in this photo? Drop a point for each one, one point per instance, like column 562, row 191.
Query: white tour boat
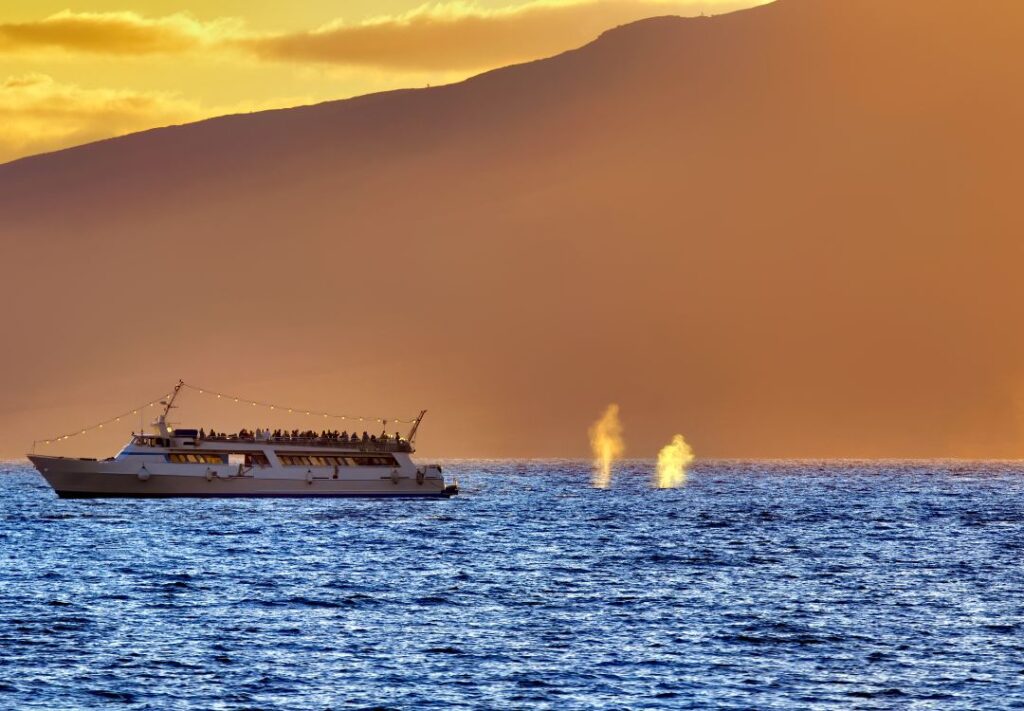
column 190, row 463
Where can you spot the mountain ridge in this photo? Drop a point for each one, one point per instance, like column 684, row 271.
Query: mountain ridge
column 603, row 37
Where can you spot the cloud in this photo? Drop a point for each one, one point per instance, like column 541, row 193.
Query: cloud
column 459, row 35
column 447, row 36
column 40, row 114
column 113, row 33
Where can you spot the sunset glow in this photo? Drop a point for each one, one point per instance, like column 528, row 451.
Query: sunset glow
column 69, row 76
column 785, row 231
column 326, row 325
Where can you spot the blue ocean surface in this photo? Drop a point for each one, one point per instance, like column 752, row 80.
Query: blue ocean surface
column 757, row 586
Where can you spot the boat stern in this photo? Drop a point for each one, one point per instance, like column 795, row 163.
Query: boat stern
column 432, row 474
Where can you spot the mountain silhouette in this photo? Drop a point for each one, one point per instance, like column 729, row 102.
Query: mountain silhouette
column 793, row 230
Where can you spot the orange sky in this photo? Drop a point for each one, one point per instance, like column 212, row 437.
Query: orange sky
column 790, row 231
column 72, row 72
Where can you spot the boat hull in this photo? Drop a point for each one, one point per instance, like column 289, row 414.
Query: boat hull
column 77, row 479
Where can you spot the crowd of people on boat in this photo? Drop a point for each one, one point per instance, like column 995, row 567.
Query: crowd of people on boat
column 325, row 436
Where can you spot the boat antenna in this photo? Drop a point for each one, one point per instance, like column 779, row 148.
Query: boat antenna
column 415, row 426
column 161, row 421
column 170, row 402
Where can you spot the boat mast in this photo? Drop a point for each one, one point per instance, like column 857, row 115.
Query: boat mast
column 415, row 426
column 161, row 421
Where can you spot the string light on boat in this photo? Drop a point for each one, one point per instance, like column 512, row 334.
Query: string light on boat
column 203, row 391
column 90, row 428
column 309, row 413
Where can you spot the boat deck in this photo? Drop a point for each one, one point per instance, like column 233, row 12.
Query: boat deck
column 352, row 443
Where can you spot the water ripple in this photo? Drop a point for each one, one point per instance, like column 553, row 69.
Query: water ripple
column 760, row 585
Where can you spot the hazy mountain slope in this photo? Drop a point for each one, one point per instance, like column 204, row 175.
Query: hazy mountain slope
column 792, row 230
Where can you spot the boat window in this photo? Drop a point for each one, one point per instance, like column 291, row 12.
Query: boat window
column 248, row 459
column 150, row 441
column 256, row 459
column 382, row 460
column 195, row 458
column 310, row 460
column 322, row 460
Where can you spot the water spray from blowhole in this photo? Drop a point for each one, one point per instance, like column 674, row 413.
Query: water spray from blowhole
column 607, row 445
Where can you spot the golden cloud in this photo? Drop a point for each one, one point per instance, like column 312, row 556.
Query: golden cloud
column 115, row 33
column 40, row 114
column 449, row 36
column 458, row 35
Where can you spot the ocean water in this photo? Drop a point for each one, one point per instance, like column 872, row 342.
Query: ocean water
column 757, row 586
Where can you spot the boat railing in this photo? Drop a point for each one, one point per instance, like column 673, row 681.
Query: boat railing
column 380, row 445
